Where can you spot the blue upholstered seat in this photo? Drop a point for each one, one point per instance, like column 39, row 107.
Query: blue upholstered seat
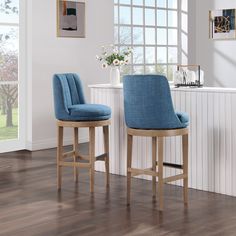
column 90, row 111
column 70, row 103
column 148, row 104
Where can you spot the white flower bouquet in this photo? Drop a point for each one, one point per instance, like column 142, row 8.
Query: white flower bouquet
column 112, row 57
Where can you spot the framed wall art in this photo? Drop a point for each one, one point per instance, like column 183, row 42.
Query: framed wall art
column 222, row 24
column 70, row 19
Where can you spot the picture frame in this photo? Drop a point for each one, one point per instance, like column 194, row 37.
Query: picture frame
column 70, row 19
column 222, row 24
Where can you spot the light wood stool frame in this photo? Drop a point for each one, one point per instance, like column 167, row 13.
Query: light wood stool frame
column 157, row 166
column 91, row 158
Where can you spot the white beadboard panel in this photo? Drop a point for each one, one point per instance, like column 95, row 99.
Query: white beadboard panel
column 199, row 135
column 210, row 144
column 216, row 141
column 122, row 137
column 187, row 107
column 222, row 139
column 233, row 148
column 228, row 143
column 193, row 140
column 212, row 139
column 204, row 117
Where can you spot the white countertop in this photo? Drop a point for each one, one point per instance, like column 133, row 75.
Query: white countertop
column 185, row 89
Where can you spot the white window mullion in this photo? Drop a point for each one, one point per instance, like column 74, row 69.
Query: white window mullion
column 156, row 26
column 155, row 33
column 179, row 43
column 118, row 26
column 132, row 35
column 144, row 39
column 167, row 38
column 9, row 24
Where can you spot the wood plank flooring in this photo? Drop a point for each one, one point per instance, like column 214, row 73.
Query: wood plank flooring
column 31, row 205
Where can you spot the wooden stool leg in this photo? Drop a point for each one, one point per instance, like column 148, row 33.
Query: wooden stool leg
column 106, row 150
column 129, row 162
column 59, row 154
column 185, row 166
column 154, row 160
column 92, row 156
column 160, row 172
column 76, row 143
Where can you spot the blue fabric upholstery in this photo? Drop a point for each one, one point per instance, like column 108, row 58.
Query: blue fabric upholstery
column 90, row 111
column 70, row 103
column 183, row 117
column 148, row 103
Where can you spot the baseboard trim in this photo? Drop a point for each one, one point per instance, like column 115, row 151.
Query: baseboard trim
column 12, row 146
column 51, row 143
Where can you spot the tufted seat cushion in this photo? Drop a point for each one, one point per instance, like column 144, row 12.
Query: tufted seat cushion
column 183, row 117
column 89, row 112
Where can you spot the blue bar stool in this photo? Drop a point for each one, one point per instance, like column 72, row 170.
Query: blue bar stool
column 72, row 111
column 149, row 112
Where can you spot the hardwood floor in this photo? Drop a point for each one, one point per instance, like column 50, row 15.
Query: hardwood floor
column 31, row 205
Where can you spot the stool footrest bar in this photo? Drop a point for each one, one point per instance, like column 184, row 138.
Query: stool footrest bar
column 174, row 178
column 98, row 158
column 68, row 154
column 74, row 164
column 135, row 172
column 83, row 157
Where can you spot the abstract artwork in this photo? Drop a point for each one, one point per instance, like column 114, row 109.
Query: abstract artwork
column 70, row 19
column 222, row 24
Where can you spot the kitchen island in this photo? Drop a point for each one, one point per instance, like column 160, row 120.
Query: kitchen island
column 212, row 142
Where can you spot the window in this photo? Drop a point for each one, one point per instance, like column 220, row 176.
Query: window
column 9, row 52
column 151, row 28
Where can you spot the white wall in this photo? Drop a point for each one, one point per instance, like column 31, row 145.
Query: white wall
column 48, row 54
column 217, row 58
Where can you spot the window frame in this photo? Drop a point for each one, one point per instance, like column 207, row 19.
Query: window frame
column 20, row 142
column 118, row 25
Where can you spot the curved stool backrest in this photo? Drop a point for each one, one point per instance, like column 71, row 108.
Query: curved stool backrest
column 67, row 90
column 148, row 103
